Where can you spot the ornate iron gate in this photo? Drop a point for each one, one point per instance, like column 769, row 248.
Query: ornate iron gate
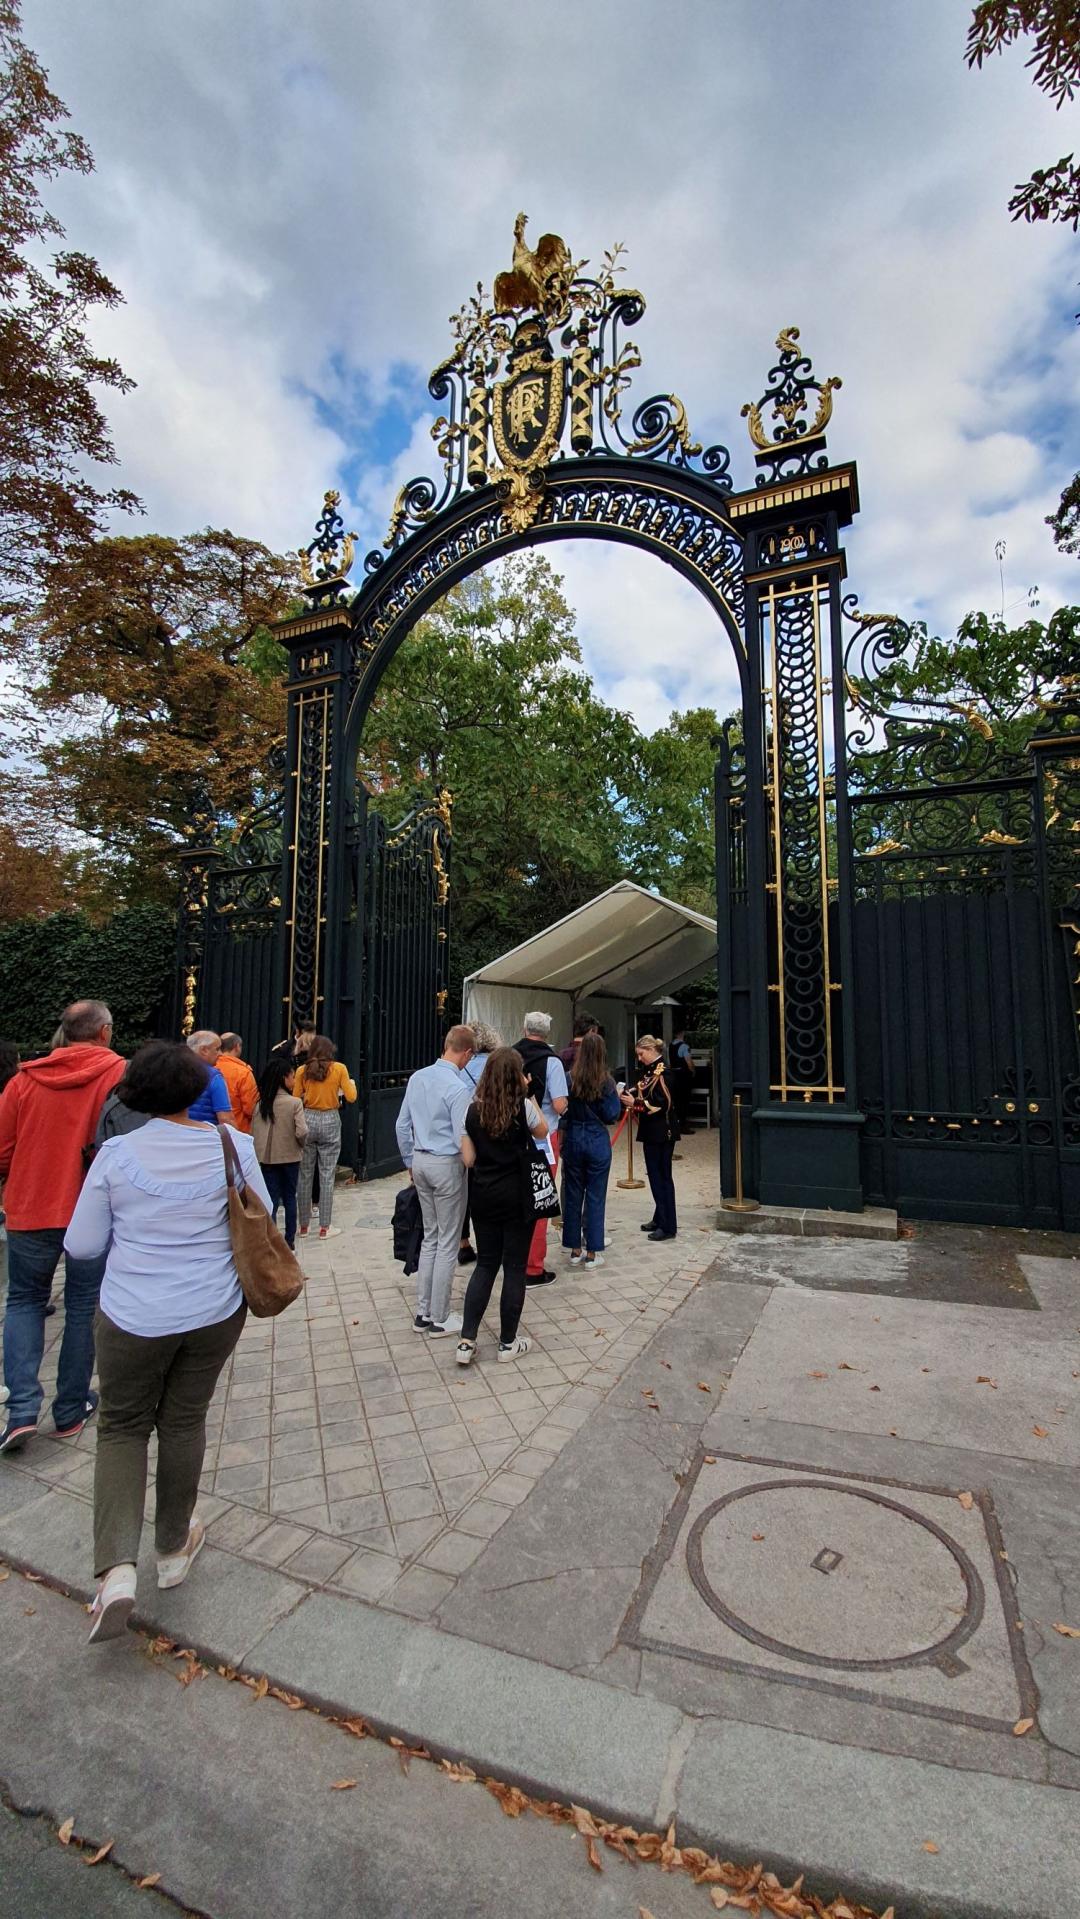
column 967, row 968
column 898, row 957
column 406, row 950
column 229, row 941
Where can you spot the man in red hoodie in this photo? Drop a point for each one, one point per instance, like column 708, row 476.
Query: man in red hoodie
column 48, row 1116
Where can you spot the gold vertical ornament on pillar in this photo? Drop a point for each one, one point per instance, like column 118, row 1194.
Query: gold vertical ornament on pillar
column 581, row 398
column 478, row 435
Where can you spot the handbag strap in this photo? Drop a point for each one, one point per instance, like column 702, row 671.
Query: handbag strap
column 234, row 1172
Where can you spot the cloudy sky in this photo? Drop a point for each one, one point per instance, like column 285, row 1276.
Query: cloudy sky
column 293, row 198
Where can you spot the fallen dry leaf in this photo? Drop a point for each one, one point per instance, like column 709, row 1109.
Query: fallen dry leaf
column 709, row 1459
column 843, row 1367
column 151, row 1879
column 4, row 1574
column 65, row 1832
column 966, row 1500
column 592, row 1853
column 1067, row 1632
column 34, row 1579
column 666, row 1363
column 29, row 1611
column 929, row 1846
column 344, row 1785
column 817, row 1375
column 893, row 1434
column 1041, row 1432
column 1022, row 1726
column 875, row 1389
column 644, row 1913
column 984, row 1379
column 702, row 1388
column 757, row 1535
column 260, row 1688
column 95, row 1858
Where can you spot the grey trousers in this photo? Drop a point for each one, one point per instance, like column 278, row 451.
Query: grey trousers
column 323, row 1143
column 443, row 1188
column 165, row 1383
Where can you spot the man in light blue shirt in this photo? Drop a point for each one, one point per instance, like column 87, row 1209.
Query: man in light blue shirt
column 429, row 1130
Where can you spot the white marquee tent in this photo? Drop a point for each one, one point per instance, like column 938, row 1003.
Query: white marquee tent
column 618, row 952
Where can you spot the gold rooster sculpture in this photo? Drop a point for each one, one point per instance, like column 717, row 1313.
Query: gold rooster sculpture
column 539, row 278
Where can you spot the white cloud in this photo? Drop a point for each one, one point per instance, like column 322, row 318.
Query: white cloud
column 293, row 199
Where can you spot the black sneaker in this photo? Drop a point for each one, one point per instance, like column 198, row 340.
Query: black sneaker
column 649, row 1226
column 422, row 1325
column 540, row 1279
column 15, row 1435
column 659, row 1235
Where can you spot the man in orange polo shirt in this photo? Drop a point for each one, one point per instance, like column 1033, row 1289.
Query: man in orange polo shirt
column 240, row 1080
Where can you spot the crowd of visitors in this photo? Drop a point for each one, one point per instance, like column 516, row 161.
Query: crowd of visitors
column 121, row 1167
column 466, row 1133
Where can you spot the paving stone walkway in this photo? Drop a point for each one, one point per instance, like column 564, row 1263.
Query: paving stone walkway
column 357, row 1454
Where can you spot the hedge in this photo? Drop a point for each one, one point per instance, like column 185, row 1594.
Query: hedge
column 126, row 961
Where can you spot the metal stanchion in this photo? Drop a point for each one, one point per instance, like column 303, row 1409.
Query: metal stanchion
column 738, row 1204
column 630, row 1182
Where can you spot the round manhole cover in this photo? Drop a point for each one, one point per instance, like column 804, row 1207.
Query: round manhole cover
column 831, row 1575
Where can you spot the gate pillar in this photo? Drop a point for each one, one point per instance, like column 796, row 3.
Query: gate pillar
column 805, row 1117
column 316, row 888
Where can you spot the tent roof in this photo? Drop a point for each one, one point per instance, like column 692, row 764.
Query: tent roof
column 625, row 944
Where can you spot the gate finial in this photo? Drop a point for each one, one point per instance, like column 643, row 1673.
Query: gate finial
column 325, row 579
column 794, row 438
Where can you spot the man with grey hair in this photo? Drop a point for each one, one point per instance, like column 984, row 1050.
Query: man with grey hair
column 547, row 1080
column 239, row 1080
column 213, row 1102
column 48, row 1115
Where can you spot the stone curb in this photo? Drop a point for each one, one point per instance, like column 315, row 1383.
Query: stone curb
column 1007, row 1848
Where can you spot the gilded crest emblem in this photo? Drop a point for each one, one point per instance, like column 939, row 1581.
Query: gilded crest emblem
column 527, row 416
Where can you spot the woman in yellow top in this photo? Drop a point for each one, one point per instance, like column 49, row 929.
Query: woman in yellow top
column 321, row 1084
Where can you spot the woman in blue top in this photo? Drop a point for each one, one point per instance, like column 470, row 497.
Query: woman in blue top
column 586, row 1152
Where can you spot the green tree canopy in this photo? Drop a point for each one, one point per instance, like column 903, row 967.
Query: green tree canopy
column 556, row 795
column 996, row 681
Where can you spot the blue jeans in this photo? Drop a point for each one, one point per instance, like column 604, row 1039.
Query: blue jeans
column 586, row 1163
column 281, row 1184
column 32, row 1261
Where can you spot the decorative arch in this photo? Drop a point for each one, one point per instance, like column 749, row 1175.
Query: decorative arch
column 535, row 447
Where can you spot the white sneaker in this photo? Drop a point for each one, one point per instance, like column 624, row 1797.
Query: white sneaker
column 113, row 1605
column 593, row 1259
column 465, row 1352
column 607, row 1241
column 452, row 1324
column 517, row 1349
column 576, row 1259
column 329, row 1232
column 173, row 1568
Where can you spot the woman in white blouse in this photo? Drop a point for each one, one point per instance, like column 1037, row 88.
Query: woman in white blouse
column 170, row 1313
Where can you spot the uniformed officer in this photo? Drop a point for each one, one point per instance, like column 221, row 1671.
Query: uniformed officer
column 657, row 1132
